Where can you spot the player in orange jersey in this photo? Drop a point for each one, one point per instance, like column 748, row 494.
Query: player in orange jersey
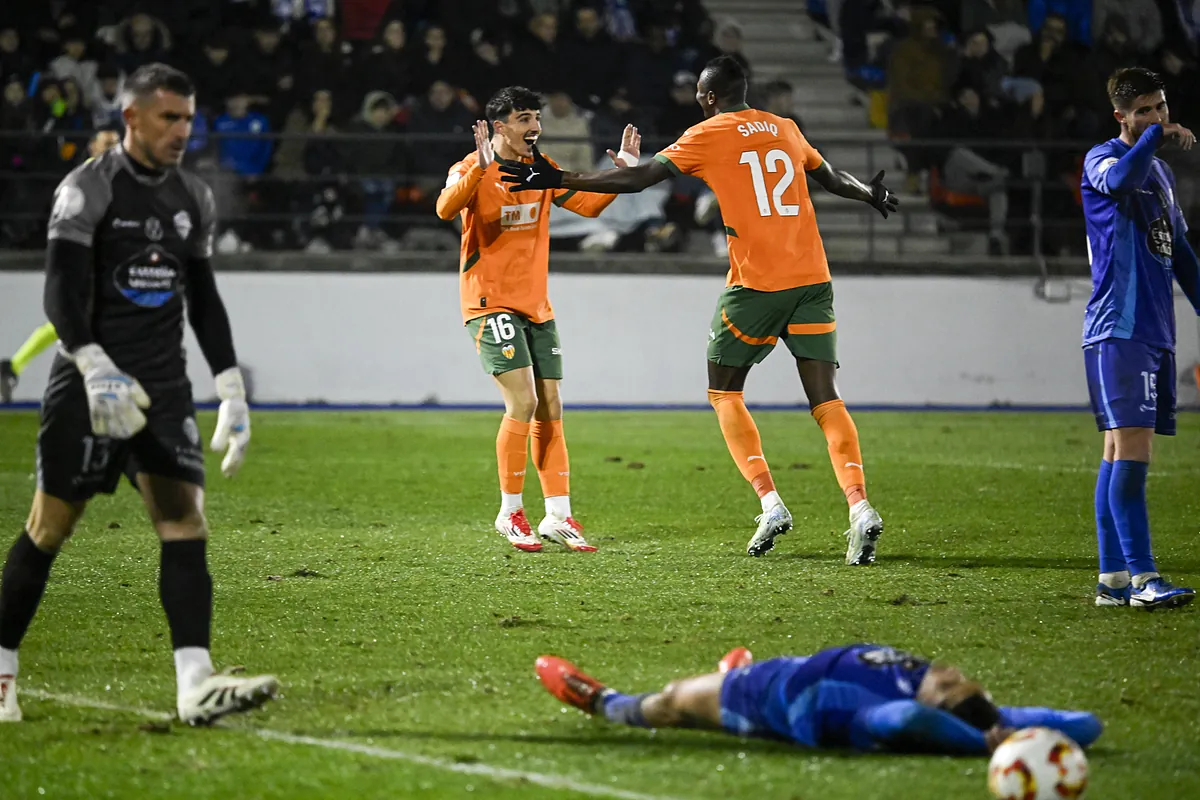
column 778, row 285
column 504, row 270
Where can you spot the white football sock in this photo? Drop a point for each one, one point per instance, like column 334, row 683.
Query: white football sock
column 510, row 503
column 1115, row 580
column 1140, row 579
column 192, row 666
column 558, row 507
column 8, row 662
column 858, row 507
column 770, row 500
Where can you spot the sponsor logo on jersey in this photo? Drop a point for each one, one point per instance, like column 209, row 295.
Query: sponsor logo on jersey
column 523, row 215
column 191, row 431
column 508, row 351
column 556, row 351
column 120, row 224
column 150, row 279
column 183, row 224
column 1159, row 239
column 154, row 229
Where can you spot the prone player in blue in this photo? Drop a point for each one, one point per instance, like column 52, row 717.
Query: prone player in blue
column 863, row 696
column 1137, row 248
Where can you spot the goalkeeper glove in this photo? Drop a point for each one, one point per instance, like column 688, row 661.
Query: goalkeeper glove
column 541, row 174
column 115, row 400
column 233, row 420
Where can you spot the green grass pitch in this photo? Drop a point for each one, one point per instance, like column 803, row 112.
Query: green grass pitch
column 354, row 557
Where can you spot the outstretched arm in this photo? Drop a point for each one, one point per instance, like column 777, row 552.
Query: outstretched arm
column 617, row 181
column 843, row 184
column 909, row 726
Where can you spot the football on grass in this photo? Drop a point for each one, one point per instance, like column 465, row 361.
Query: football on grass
column 1038, row 764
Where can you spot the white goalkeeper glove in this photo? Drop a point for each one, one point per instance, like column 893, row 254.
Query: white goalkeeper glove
column 233, row 420
column 115, row 400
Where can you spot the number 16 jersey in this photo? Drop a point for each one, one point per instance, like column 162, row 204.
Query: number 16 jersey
column 755, row 163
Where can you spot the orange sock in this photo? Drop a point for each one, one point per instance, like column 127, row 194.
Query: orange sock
column 844, row 452
column 741, row 437
column 549, row 448
column 511, row 454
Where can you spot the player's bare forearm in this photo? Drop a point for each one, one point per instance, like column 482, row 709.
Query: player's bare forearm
column 210, row 321
column 67, row 290
column 617, row 181
column 841, row 183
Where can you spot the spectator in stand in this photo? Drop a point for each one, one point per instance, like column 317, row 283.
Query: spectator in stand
column 139, row 40
column 857, row 19
column 17, row 194
column 981, row 68
column 1182, row 81
column 682, row 112
column 538, row 57
column 651, row 70
column 567, row 132
column 1142, row 17
column 434, row 62
column 484, row 74
column 595, row 73
column 76, row 62
column 387, row 65
column 243, row 148
column 311, row 162
column 1076, row 13
column 267, row 74
column 445, row 124
column 327, row 62
column 372, row 155
column 968, row 170
column 730, row 42
column 918, row 86
column 105, row 102
column 1115, row 50
column 779, row 98
column 215, row 74
column 1050, row 61
column 14, row 61
column 1005, row 20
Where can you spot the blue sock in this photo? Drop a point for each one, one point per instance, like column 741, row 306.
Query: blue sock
column 625, row 709
column 1112, row 557
column 1127, row 499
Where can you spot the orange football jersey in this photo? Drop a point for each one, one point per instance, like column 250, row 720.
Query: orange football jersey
column 504, row 261
column 755, row 163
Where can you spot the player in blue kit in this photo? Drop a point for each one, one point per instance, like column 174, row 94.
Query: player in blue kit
column 1137, row 245
column 861, row 696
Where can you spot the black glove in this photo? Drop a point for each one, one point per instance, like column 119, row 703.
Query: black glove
column 541, row 174
column 882, row 200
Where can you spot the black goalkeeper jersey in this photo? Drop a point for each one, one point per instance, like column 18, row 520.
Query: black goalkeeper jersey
column 144, row 229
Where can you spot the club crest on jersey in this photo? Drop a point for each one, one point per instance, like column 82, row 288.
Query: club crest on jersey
column 183, row 224
column 154, row 229
column 508, row 351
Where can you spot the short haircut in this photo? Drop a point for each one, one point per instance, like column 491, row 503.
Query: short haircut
column 726, row 78
column 1130, row 83
column 148, row 79
column 977, row 710
column 510, row 99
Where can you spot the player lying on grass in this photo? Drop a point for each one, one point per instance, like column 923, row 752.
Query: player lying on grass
column 44, row 335
column 1138, row 248
column 861, row 696
column 778, row 286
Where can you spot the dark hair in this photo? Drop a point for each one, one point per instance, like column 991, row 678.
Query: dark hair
column 725, row 77
column 977, row 711
column 148, row 79
column 777, row 87
column 1126, row 85
column 510, row 99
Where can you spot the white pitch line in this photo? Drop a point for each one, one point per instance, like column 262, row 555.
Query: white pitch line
column 1019, row 467
column 478, row 769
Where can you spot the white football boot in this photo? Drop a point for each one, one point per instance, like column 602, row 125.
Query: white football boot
column 866, row 526
column 9, row 710
column 775, row 522
column 515, row 527
column 224, row 693
column 567, row 532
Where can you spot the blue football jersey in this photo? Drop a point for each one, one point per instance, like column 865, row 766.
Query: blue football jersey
column 1130, row 239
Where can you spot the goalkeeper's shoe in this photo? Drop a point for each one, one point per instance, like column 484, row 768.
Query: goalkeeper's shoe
column 567, row 532
column 225, row 693
column 9, row 710
column 568, row 683
column 734, row 659
column 8, row 381
column 866, row 526
column 1108, row 596
column 775, row 522
column 1159, row 593
column 515, row 528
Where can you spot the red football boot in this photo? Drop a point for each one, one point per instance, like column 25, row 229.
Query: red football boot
column 565, row 681
column 737, row 657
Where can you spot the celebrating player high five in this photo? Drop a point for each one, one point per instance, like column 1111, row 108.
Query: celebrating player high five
column 504, row 269
column 778, row 285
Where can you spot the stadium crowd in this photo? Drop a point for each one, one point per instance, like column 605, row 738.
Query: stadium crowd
column 330, row 125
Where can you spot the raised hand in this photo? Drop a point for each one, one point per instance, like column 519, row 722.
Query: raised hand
column 631, row 148
column 483, row 144
column 1182, row 136
column 882, row 199
column 541, row 174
